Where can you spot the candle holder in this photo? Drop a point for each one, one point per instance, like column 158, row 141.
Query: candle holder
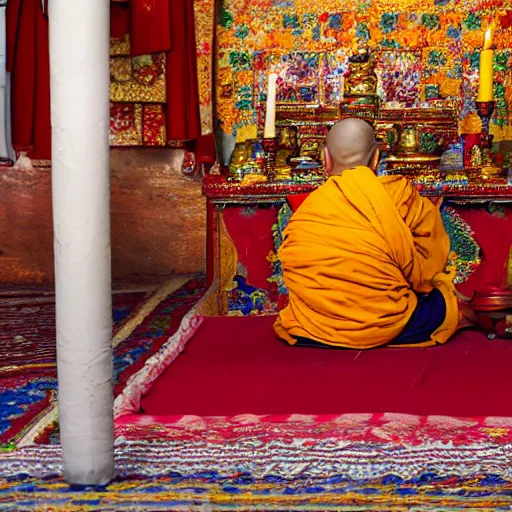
column 488, row 170
column 270, row 148
column 485, row 111
column 472, row 144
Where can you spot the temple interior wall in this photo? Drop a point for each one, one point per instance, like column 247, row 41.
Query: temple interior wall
column 425, row 51
column 158, row 221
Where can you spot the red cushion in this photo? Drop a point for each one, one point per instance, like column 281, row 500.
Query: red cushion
column 296, row 200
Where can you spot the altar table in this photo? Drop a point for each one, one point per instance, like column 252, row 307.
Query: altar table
column 245, row 222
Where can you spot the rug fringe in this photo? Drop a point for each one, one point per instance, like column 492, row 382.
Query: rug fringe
column 148, row 307
column 126, row 330
column 29, row 438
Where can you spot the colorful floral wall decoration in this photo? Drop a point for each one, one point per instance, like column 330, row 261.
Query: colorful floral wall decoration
column 425, row 51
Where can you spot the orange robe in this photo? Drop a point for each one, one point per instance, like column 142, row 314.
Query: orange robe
column 353, row 255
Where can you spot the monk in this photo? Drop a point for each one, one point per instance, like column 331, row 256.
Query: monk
column 364, row 257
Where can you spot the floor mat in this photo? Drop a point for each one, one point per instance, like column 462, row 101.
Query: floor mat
column 238, row 366
column 357, row 462
column 27, row 330
column 28, row 375
column 30, row 370
column 292, row 460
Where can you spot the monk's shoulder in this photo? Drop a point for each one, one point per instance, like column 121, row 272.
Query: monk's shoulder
column 328, row 188
column 398, row 187
column 321, row 203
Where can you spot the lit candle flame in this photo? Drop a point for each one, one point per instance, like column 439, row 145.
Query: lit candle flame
column 488, row 39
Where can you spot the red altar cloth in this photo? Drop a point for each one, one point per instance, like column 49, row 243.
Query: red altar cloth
column 493, row 233
column 250, row 227
column 251, row 230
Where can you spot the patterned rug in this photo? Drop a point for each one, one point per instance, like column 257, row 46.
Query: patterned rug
column 28, row 380
column 357, row 462
column 348, row 462
column 27, row 330
column 28, row 383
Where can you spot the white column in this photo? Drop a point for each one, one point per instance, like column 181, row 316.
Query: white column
column 79, row 82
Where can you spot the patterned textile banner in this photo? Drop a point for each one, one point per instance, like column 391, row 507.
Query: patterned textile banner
column 138, row 86
column 204, row 11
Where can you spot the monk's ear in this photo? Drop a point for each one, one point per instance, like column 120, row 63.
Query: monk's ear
column 327, row 161
column 374, row 161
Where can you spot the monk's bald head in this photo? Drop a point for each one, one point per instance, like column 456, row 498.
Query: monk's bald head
column 350, row 143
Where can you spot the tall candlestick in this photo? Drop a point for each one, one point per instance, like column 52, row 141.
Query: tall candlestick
column 485, row 86
column 270, row 113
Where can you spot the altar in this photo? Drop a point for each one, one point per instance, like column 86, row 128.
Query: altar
column 245, row 225
column 435, row 85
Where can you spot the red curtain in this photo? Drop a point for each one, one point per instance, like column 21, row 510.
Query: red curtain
column 150, row 27
column 183, row 121
column 168, row 26
column 119, row 19
column 28, row 62
column 154, row 26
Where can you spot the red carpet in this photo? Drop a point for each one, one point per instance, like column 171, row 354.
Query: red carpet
column 236, row 366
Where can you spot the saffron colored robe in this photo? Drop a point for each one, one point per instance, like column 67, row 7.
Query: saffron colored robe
column 353, row 255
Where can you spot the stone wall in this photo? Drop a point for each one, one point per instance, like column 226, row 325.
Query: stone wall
column 158, row 221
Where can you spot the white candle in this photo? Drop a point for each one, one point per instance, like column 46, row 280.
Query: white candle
column 270, row 113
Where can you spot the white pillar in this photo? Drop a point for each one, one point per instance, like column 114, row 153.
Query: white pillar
column 79, row 84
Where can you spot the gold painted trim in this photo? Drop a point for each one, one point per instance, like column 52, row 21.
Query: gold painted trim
column 147, row 307
column 508, row 282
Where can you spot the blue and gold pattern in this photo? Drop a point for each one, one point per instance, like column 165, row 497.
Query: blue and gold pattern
column 464, row 250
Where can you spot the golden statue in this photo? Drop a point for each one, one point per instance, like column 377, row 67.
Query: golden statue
column 239, row 155
column 361, row 79
column 476, row 156
column 283, row 155
column 288, row 137
column 486, row 157
column 408, row 140
column 408, row 157
column 310, row 148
